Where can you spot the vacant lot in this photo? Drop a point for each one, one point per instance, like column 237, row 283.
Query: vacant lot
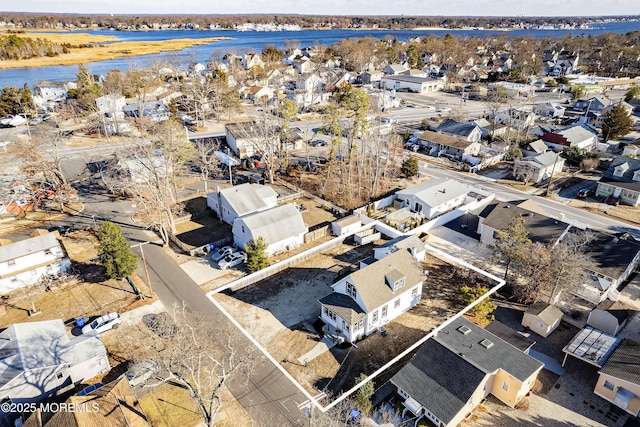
column 280, row 313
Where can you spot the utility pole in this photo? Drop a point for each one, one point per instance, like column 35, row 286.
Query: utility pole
column 546, row 193
column 144, row 263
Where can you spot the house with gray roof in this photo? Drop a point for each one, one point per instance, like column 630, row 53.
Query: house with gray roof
column 467, row 131
column 613, row 259
column 454, row 371
column 534, row 148
column 30, row 261
column 499, row 215
column 282, row 228
column 240, row 200
column 38, row 359
column 393, row 69
column 434, row 197
column 413, row 244
column 538, row 168
column 619, row 377
column 579, row 135
column 621, row 182
column 438, row 144
column 367, row 299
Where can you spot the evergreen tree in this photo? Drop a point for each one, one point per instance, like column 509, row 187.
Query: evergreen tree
column 409, row 166
column 483, row 310
column 114, row 252
column 616, row 122
column 256, row 254
column 362, row 399
column 512, row 243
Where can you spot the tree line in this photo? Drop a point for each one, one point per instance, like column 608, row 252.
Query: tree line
column 15, row 47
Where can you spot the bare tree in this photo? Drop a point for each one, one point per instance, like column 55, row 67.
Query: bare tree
column 496, row 99
column 206, row 159
column 201, row 355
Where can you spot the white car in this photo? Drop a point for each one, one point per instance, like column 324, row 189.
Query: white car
column 232, row 260
column 222, row 252
column 103, row 323
column 444, row 110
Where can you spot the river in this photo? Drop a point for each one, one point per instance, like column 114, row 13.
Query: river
column 251, row 40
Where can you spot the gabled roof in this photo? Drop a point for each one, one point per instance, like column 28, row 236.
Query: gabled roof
column 344, row 306
column 446, row 140
column 628, row 164
column 275, row 224
column 541, row 228
column 624, row 362
column 248, row 198
column 397, row 68
column 510, row 335
column 576, row 133
column 28, row 246
column 371, row 285
column 543, row 160
column 538, row 146
column 435, row 192
column 456, row 128
column 546, row 312
column 449, row 367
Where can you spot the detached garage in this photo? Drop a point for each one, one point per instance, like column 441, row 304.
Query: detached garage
column 542, row 318
column 347, row 225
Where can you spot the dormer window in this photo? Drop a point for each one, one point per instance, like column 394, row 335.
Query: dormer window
column 636, row 175
column 394, row 279
column 620, row 169
column 351, row 290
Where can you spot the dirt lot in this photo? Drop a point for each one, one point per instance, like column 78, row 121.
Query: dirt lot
column 280, row 312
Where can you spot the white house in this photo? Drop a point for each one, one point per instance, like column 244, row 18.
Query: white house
column 539, row 167
column 394, row 69
column 38, row 359
column 369, row 298
column 433, row 197
column 250, row 60
column 412, row 243
column 440, row 144
column 245, row 138
column 400, row 82
column 580, row 136
column 282, row 228
column 240, row 200
column 111, row 105
column 30, row 261
column 621, row 181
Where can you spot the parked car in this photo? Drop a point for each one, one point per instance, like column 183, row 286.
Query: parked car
column 443, row 110
column 256, row 179
column 583, row 193
column 222, row 252
column 62, row 229
column 232, row 260
column 140, row 372
column 317, row 143
column 308, row 165
column 103, row 323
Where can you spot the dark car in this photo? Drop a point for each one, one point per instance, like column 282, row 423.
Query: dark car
column 308, row 166
column 317, row 143
column 584, row 193
column 256, row 179
column 62, row 229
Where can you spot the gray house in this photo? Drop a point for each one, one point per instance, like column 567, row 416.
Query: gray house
column 467, row 131
column 39, row 359
column 239, row 200
column 621, row 182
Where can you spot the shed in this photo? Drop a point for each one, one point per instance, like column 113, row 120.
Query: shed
column 346, row 225
column 609, row 321
column 542, row 318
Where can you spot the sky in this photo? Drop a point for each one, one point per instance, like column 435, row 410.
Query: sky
column 337, row 7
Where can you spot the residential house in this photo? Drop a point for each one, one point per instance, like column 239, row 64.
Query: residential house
column 113, row 404
column 309, row 89
column 498, row 216
column 550, row 109
column 347, row 225
column 394, row 69
column 517, row 118
column 592, row 105
column 433, row 197
column 560, row 63
column 367, row 299
column 468, row 131
column 631, row 150
column 245, row 138
column 111, row 105
column 372, row 77
column 438, row 145
column 413, row 244
column 610, row 321
column 628, row 108
column 542, row 318
column 258, row 94
column 539, row 167
column 304, row 65
column 413, row 84
column 155, row 111
column 534, row 148
column 621, row 182
column 251, row 60
column 516, row 90
column 415, row 73
column 240, row 200
column 454, row 371
column 281, row 227
column 510, row 335
column 579, row 135
column 30, row 261
column 613, row 258
column 619, row 377
column 39, row 359
column 50, row 91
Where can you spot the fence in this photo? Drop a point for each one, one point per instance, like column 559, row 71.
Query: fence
column 316, row 234
column 201, row 250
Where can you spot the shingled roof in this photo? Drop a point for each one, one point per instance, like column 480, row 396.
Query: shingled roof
column 624, row 362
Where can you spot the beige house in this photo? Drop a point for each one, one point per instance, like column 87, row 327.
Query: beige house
column 439, row 144
column 542, row 318
column 454, row 371
column 619, row 380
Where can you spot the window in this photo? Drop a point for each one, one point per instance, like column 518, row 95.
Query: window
column 47, row 251
column 360, row 324
column 384, row 311
column 505, row 386
column 414, row 292
column 609, row 385
column 374, row 317
column 398, row 284
column 351, row 290
column 59, row 375
column 396, row 303
column 11, row 262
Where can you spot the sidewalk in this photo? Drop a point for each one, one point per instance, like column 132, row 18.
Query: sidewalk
column 325, row 344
